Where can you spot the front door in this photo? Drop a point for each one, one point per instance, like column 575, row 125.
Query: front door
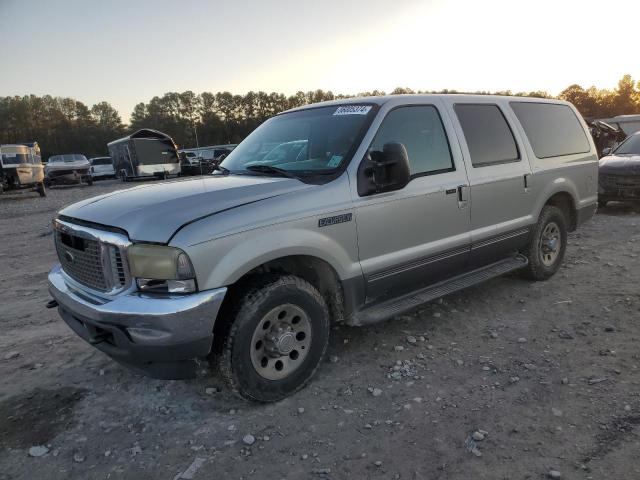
column 418, row 235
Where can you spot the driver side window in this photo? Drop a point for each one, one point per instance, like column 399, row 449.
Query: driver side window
column 419, row 128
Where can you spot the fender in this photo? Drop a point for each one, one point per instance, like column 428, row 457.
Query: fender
column 225, row 260
column 559, row 185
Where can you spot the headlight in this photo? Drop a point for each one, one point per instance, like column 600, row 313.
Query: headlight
column 161, row 269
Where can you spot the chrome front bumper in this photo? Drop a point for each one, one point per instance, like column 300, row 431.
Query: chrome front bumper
column 160, row 336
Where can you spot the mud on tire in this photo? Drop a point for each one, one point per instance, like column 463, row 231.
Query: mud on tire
column 256, row 311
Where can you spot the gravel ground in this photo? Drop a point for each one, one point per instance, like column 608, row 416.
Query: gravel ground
column 506, row 380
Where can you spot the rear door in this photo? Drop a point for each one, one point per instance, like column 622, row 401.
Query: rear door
column 418, row 235
column 499, row 176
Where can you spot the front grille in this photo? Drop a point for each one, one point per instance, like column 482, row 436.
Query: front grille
column 619, row 181
column 117, row 267
column 81, row 258
column 90, row 260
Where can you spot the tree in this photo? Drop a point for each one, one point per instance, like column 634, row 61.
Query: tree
column 66, row 125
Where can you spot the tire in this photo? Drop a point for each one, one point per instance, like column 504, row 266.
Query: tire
column 545, row 257
column 250, row 356
column 41, row 189
column 602, row 203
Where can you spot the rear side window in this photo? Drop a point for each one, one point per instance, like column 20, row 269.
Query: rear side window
column 488, row 135
column 553, row 130
column 419, row 128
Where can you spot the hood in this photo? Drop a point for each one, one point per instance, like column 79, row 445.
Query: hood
column 67, row 165
column 620, row 165
column 153, row 212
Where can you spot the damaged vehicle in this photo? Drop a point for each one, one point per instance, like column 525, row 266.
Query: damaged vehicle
column 20, row 167
column 70, row 168
column 369, row 208
column 619, row 172
column 605, row 135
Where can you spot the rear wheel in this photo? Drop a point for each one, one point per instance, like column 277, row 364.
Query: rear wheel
column 547, row 244
column 276, row 338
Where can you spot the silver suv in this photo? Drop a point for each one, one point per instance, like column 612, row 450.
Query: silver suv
column 370, row 208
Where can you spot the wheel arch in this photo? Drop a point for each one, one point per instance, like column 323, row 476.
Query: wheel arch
column 563, row 194
column 315, row 270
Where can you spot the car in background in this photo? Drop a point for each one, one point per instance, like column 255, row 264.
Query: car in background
column 67, row 169
column 619, row 172
column 203, row 160
column 20, row 168
column 102, row 167
column 215, row 154
column 189, row 163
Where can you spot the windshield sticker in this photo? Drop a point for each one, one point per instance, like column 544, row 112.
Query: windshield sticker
column 353, row 110
column 334, row 161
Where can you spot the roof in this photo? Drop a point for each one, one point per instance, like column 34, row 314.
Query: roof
column 409, row 98
column 144, row 133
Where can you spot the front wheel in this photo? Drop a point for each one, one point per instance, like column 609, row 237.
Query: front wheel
column 276, row 338
column 41, row 189
column 547, row 244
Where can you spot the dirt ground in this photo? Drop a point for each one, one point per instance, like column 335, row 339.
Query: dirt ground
column 549, row 371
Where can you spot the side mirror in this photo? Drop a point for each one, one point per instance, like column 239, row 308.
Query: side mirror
column 606, row 151
column 384, row 171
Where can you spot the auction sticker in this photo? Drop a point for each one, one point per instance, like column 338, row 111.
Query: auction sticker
column 353, row 110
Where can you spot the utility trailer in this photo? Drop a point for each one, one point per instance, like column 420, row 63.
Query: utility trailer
column 143, row 154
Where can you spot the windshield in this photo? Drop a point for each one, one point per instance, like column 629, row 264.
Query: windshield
column 101, row 161
column 15, row 158
column 631, row 146
column 71, row 157
column 316, row 140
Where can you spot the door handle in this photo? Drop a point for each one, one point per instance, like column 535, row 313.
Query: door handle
column 527, row 177
column 463, row 195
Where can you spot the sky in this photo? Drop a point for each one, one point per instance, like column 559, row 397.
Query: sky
column 127, row 51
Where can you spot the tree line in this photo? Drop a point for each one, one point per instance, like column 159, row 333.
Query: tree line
column 66, row 125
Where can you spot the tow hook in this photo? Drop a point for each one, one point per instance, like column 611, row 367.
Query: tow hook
column 51, row 304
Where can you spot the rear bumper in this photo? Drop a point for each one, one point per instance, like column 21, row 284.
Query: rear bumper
column 103, row 174
column 159, row 336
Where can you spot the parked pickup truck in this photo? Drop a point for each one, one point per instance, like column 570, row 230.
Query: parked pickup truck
column 393, row 202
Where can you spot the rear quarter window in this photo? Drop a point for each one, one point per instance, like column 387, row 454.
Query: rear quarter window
column 553, row 130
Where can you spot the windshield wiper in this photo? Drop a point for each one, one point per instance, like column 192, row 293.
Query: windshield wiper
column 268, row 169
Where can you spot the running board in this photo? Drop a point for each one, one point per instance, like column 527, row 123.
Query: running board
column 397, row 306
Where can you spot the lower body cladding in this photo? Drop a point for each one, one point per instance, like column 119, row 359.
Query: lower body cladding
column 161, row 337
